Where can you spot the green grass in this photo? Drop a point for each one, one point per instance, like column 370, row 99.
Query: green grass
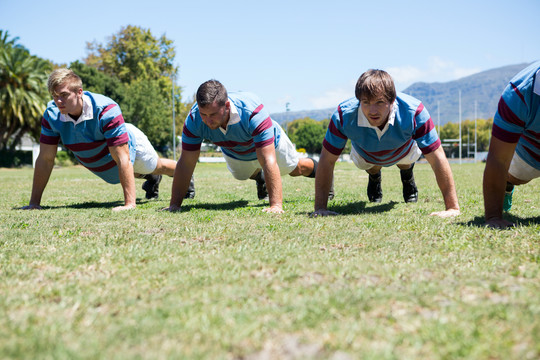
column 224, row 280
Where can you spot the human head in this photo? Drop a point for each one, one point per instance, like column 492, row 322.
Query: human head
column 63, row 76
column 375, row 83
column 211, row 91
column 213, row 103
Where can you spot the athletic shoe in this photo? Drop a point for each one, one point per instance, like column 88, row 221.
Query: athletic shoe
column 374, row 189
column 410, row 191
column 507, row 204
column 262, row 193
column 191, row 189
column 151, row 186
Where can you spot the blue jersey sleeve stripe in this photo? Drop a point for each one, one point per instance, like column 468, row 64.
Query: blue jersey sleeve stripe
column 114, row 123
column 533, row 154
column 264, row 125
column 335, row 131
column 424, row 129
column 256, row 111
column 518, row 93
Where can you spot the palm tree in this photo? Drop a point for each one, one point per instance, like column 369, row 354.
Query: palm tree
column 23, row 92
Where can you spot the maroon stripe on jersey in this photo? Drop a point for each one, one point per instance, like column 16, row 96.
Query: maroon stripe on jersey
column 107, row 108
column 118, row 140
column 516, row 90
column 335, row 131
column 256, row 111
column 377, row 154
column 191, row 147
column 45, row 124
column 96, row 157
column 508, row 115
column 264, row 125
column 534, row 155
column 188, row 133
column 85, row 146
column 393, row 161
column 430, row 148
column 332, row 149
column 341, row 115
column 264, row 143
column 114, row 123
column 102, row 168
column 49, row 140
column 533, row 141
column 532, row 135
column 231, row 144
column 504, row 135
column 424, row 129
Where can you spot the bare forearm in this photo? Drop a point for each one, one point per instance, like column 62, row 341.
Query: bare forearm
column 493, row 187
column 273, row 185
column 127, row 180
column 42, row 173
column 323, row 183
column 182, row 177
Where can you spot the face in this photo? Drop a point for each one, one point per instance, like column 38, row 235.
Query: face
column 67, row 100
column 376, row 110
column 214, row 115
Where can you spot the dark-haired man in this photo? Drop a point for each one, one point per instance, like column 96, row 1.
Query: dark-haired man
column 253, row 145
column 385, row 128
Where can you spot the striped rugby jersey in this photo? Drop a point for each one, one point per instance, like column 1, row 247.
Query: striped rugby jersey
column 517, row 119
column 408, row 121
column 100, row 125
column 249, row 127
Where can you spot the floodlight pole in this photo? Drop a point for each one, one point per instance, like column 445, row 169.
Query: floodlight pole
column 173, row 118
column 475, row 131
column 460, row 127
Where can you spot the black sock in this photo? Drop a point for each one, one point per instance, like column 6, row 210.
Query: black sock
column 509, row 187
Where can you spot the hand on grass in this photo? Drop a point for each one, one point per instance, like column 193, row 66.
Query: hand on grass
column 274, row 209
column 124, row 207
column 172, row 208
column 499, row 223
column 31, row 207
column 323, row 212
column 446, row 213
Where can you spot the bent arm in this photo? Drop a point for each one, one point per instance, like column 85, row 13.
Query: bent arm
column 267, row 158
column 182, row 176
column 42, row 173
column 494, row 183
column 323, row 182
column 445, row 181
column 120, row 154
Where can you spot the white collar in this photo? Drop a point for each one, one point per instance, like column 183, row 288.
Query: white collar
column 234, row 117
column 363, row 121
column 87, row 112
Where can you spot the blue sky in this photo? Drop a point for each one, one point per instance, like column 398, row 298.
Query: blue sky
column 305, row 53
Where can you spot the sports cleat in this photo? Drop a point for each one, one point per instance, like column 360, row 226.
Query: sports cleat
column 191, row 189
column 151, row 186
column 507, row 203
column 374, row 189
column 410, row 191
column 262, row 193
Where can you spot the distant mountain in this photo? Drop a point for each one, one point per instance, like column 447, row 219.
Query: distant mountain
column 442, row 99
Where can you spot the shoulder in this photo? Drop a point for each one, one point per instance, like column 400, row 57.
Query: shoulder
column 51, row 112
column 346, row 109
column 245, row 101
column 100, row 101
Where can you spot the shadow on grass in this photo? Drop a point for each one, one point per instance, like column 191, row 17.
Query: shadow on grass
column 479, row 221
column 359, row 207
column 219, row 206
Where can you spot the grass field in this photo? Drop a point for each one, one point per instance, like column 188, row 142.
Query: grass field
column 224, row 280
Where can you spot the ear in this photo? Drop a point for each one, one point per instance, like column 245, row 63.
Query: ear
column 80, row 92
